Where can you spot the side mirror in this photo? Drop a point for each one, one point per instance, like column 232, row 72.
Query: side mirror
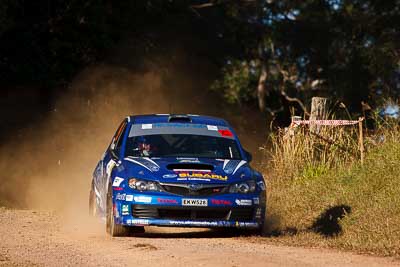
column 248, row 156
column 112, row 150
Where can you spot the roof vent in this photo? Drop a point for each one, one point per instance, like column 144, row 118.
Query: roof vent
column 179, row 118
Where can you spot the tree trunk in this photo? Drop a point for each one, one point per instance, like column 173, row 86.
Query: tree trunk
column 261, row 90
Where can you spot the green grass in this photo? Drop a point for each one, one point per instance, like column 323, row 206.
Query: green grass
column 363, row 203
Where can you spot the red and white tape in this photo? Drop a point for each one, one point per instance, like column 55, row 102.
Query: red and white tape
column 323, row 122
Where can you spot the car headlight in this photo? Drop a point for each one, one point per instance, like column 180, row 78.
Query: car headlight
column 142, row 185
column 243, row 187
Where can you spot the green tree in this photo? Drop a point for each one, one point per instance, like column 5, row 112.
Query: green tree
column 345, row 49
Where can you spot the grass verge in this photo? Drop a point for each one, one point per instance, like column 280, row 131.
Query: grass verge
column 345, row 205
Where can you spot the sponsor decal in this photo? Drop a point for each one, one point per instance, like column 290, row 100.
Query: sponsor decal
column 129, row 197
column 229, row 166
column 212, row 127
column 220, row 202
column 142, row 199
column 120, row 196
column 224, row 223
column 140, row 222
column 193, row 179
column 117, row 181
column 188, row 160
column 179, row 125
column 193, row 223
column 187, row 170
column 194, row 202
column 167, row 200
column 248, row 224
column 147, row 126
column 170, row 175
column 256, row 201
column 125, row 209
column 117, row 188
column 241, row 163
column 244, row 202
column 203, row 176
column 145, row 162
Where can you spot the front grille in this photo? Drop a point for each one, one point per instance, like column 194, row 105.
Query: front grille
column 144, row 211
column 185, row 190
column 193, row 213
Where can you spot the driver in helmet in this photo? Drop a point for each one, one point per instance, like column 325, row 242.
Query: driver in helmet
column 145, row 147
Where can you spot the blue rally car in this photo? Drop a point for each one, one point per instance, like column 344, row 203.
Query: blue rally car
column 176, row 170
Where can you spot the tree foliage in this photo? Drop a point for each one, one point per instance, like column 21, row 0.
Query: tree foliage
column 347, row 49
column 48, row 41
column 270, row 53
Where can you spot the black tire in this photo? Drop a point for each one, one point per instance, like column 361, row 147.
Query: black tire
column 112, row 228
column 261, row 230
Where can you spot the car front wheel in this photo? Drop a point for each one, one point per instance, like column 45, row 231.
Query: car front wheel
column 113, row 228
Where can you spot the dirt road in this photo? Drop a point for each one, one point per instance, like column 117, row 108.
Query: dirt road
column 37, row 238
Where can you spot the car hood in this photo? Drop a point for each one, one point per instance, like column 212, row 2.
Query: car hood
column 186, row 170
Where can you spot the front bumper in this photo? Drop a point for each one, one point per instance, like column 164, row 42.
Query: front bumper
column 190, row 223
column 230, row 210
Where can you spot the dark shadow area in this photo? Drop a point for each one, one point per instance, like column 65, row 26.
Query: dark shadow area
column 327, row 223
column 208, row 233
column 288, row 231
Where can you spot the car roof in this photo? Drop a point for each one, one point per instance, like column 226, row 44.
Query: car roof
column 165, row 118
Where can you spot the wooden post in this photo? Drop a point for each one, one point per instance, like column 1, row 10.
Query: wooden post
column 318, row 111
column 361, row 139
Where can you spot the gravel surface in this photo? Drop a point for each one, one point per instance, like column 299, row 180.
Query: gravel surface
column 37, row 238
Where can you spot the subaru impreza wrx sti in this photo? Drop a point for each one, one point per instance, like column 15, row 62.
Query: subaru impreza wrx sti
column 176, row 170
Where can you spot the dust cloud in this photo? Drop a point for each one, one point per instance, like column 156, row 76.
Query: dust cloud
column 51, row 166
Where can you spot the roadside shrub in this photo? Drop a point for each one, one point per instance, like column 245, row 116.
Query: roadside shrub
column 297, row 150
column 325, row 197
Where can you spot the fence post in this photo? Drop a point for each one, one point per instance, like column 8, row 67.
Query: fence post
column 318, row 112
column 361, row 139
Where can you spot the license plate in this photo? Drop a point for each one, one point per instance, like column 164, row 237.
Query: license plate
column 194, row 202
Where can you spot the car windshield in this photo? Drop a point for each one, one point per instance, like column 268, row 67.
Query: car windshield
column 182, row 145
